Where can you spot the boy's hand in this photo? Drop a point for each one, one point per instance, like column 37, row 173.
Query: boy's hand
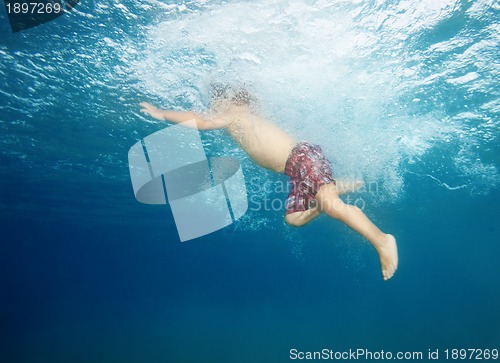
column 152, row 111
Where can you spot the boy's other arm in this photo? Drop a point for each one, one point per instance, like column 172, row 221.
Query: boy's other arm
column 203, row 122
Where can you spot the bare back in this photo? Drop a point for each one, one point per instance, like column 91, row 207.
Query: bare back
column 264, row 142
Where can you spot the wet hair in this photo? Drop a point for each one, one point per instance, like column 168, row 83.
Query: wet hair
column 236, row 95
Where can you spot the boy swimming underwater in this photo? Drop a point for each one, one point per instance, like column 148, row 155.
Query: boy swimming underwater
column 313, row 188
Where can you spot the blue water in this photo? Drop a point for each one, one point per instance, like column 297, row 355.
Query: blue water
column 402, row 95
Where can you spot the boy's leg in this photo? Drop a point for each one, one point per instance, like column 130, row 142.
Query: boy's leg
column 298, row 219
column 348, row 186
column 385, row 244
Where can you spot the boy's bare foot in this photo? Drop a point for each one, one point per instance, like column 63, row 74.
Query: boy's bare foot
column 388, row 252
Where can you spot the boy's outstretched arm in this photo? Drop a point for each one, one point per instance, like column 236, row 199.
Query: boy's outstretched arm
column 203, row 122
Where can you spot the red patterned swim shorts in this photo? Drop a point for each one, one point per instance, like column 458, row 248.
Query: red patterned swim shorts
column 308, row 169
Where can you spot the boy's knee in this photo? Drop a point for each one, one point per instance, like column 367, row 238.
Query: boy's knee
column 293, row 220
column 335, row 208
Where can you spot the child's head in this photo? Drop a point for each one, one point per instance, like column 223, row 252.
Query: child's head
column 221, row 93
